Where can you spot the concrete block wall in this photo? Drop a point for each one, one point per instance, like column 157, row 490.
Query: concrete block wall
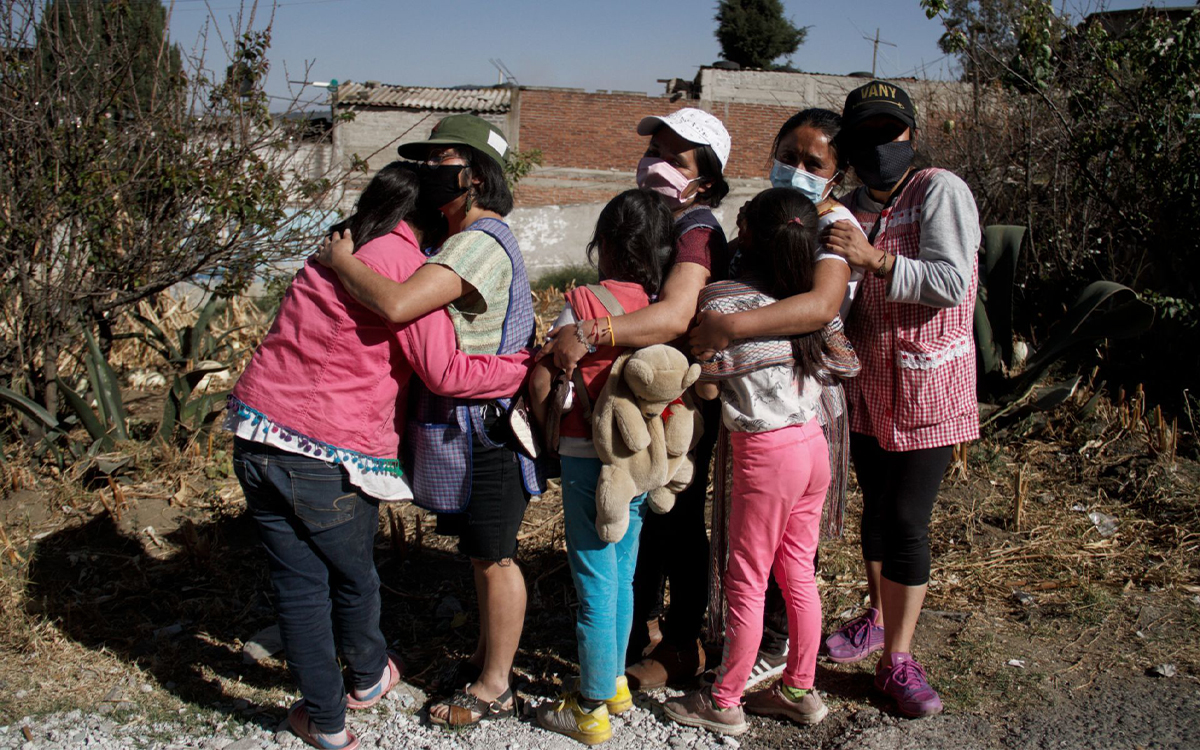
column 376, row 132
column 799, row 90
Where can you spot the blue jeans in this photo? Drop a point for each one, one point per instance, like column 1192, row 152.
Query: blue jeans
column 319, row 533
column 603, row 575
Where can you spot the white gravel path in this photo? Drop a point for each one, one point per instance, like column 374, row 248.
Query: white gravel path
column 391, row 725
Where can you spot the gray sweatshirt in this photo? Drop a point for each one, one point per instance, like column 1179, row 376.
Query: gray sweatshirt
column 941, row 273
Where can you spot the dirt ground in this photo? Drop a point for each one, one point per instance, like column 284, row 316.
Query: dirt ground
column 132, row 589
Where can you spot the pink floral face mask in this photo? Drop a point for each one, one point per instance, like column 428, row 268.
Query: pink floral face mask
column 657, row 175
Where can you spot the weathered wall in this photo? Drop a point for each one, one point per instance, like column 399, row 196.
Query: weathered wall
column 376, row 132
column 308, row 161
column 796, row 91
column 553, row 236
column 590, row 145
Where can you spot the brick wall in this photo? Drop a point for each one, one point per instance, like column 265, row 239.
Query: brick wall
column 598, row 131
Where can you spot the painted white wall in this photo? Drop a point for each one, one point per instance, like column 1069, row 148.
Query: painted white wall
column 553, row 237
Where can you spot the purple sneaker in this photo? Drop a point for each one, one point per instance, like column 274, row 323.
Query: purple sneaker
column 905, row 681
column 856, row 640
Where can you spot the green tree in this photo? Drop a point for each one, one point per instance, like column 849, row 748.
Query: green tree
column 1089, row 136
column 121, row 177
column 982, row 33
column 124, row 44
column 755, row 33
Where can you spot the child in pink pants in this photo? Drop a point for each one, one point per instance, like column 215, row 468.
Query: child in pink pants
column 770, row 392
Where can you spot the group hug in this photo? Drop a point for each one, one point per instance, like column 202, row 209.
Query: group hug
column 836, row 326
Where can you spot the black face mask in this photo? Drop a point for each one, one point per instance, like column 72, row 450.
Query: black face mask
column 439, row 185
column 881, row 167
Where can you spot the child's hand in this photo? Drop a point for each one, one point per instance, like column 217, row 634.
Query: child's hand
column 712, row 333
column 565, row 348
column 707, row 389
column 335, row 245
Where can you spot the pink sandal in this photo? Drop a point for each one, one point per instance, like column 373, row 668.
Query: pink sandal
column 302, row 725
column 394, row 671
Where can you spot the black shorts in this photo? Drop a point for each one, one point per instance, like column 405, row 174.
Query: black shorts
column 488, row 529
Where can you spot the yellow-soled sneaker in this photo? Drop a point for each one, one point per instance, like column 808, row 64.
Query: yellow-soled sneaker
column 566, row 716
column 622, row 701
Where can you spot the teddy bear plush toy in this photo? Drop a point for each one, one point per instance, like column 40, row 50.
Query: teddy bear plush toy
column 644, row 424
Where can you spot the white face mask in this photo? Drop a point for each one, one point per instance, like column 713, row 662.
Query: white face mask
column 814, row 188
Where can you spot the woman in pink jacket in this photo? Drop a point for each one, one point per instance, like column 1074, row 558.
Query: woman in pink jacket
column 317, row 418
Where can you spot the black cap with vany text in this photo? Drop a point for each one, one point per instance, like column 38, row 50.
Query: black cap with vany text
column 878, row 98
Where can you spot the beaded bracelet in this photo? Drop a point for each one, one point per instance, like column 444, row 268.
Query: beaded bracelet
column 582, row 338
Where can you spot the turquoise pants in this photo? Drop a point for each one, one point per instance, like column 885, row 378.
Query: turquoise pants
column 603, row 575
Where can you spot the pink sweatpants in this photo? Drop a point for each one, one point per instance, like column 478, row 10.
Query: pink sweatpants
column 779, row 484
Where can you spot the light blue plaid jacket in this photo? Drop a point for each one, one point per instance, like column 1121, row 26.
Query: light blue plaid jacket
column 438, row 433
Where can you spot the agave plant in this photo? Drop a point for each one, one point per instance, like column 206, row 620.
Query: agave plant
column 193, row 343
column 184, row 407
column 193, row 353
column 1104, row 310
column 994, row 338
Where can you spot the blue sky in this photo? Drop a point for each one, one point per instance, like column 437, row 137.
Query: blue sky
column 618, row 44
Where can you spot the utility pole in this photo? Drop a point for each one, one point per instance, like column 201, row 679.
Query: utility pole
column 875, row 54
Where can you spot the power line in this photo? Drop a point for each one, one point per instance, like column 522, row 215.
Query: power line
column 875, row 54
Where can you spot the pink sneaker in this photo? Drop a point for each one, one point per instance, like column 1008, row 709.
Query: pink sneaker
column 856, row 640
column 905, row 681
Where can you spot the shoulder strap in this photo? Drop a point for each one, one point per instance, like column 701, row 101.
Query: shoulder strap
column 607, row 298
column 584, row 401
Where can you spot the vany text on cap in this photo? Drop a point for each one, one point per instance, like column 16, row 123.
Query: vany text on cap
column 878, row 98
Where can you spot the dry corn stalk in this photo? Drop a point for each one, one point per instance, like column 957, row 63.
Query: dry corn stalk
column 958, row 466
column 1019, row 491
column 10, row 551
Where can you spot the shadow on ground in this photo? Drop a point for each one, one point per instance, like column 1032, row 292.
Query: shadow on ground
column 181, row 612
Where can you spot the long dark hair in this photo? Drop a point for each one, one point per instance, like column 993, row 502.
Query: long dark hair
column 636, row 235
column 780, row 258
column 389, row 198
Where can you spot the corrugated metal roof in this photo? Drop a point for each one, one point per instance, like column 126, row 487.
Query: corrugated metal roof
column 414, row 97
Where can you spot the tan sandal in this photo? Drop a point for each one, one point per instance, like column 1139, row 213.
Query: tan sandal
column 467, row 710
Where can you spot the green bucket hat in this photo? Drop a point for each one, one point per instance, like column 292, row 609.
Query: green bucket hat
column 461, row 130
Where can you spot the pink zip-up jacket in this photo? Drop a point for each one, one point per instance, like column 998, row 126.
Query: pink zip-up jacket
column 332, row 370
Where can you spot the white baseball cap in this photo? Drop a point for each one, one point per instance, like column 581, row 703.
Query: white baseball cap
column 693, row 125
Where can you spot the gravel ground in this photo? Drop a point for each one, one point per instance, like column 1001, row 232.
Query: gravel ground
column 1134, row 712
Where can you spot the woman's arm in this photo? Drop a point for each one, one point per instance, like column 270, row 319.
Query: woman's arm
column 659, row 323
column 541, row 383
column 431, row 287
column 431, row 348
column 941, row 273
column 802, row 313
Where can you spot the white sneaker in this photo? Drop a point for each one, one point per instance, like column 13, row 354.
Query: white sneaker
column 767, row 666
